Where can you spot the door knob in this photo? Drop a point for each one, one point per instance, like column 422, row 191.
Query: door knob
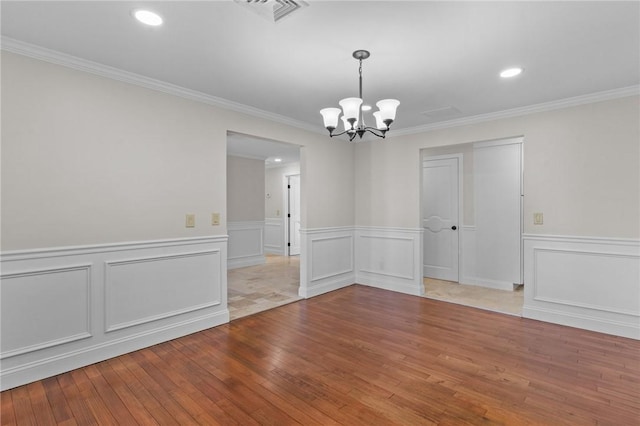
column 454, row 227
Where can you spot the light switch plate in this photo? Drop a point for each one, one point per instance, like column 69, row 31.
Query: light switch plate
column 538, row 219
column 215, row 219
column 190, row 221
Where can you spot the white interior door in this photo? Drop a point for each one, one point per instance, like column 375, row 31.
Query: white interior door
column 498, row 186
column 440, row 209
column 293, row 215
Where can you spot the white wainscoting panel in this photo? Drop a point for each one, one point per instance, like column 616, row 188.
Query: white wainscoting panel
column 590, row 283
column 171, row 286
column 390, row 258
column 246, row 244
column 45, row 307
column 64, row 308
column 327, row 260
column 274, row 236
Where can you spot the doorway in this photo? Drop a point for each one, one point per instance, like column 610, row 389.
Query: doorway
column 471, row 214
column 257, row 213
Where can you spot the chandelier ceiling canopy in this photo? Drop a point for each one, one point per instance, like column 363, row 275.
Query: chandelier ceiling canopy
column 352, row 108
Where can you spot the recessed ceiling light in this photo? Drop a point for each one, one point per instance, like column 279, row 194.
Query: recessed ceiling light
column 148, row 17
column 511, row 72
column 366, row 107
column 277, row 160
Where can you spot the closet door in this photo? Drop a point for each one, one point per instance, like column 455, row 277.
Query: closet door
column 498, row 211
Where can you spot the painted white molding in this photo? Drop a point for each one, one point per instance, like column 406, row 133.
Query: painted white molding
column 69, row 61
column 246, row 244
column 274, row 236
column 590, row 283
column 67, row 307
column 390, row 258
column 326, row 261
column 74, row 62
column 517, row 112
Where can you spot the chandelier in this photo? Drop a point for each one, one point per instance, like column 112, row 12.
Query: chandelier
column 352, row 109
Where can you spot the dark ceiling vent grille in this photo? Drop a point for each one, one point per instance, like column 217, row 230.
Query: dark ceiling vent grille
column 273, row 10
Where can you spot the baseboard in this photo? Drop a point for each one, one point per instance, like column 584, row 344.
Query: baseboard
column 67, row 307
column 54, row 365
column 589, row 283
column 391, row 284
column 390, row 258
column 585, row 322
column 326, row 286
column 480, row 282
column 243, row 262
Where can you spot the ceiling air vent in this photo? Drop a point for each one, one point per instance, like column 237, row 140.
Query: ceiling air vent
column 272, row 10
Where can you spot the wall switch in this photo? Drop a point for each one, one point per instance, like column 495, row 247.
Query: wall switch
column 215, row 219
column 190, row 221
column 538, row 219
column 278, row 213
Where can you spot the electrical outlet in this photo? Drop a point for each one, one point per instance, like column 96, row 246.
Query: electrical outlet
column 215, row 219
column 538, row 219
column 190, row 220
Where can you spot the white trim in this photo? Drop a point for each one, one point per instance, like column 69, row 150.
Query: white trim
column 311, row 231
column 498, row 142
column 50, row 366
column 52, row 56
column 245, row 258
column 13, row 255
column 57, row 354
column 563, row 292
column 582, row 239
column 517, row 112
column 107, row 289
column 398, row 266
column 59, row 58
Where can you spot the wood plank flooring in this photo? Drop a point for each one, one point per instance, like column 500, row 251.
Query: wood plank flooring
column 356, row 356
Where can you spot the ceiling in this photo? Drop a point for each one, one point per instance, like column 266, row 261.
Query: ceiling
column 440, row 59
column 262, row 149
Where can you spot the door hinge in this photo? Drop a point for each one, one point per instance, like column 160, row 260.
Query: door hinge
column 288, row 244
column 288, row 214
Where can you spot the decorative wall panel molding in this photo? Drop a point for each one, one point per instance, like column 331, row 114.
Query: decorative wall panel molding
column 64, row 308
column 274, row 236
column 390, row 258
column 246, row 244
column 327, row 260
column 590, row 283
column 42, row 308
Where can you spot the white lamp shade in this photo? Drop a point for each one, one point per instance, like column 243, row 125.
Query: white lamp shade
column 351, row 107
column 388, row 108
column 379, row 123
column 346, row 124
column 330, row 116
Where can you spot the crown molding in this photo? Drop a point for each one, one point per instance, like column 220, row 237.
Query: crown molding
column 516, row 112
column 55, row 57
column 59, row 58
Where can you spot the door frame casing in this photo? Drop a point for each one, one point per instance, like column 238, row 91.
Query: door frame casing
column 459, row 158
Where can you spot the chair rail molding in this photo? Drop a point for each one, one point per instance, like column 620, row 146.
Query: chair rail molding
column 585, row 282
column 67, row 307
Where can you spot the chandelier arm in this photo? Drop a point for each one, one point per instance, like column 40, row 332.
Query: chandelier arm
column 375, row 131
column 340, row 134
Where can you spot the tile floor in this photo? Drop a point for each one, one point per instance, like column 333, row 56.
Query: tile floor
column 258, row 288
column 506, row 302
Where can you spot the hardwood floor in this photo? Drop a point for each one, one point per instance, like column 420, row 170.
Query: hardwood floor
column 354, row 356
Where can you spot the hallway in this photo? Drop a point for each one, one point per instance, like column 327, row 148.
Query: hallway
column 258, row 288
